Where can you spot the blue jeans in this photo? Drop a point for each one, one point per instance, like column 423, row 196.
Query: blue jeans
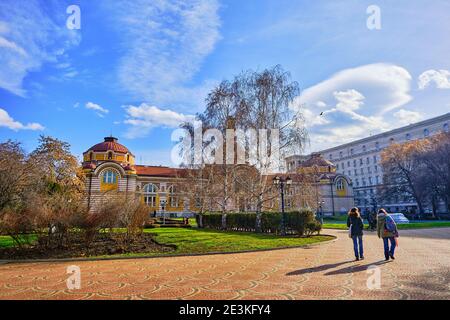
column 358, row 244
column 389, row 251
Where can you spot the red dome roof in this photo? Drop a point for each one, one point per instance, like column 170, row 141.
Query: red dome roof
column 110, row 144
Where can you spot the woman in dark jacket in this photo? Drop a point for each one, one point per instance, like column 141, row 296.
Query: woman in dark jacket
column 356, row 225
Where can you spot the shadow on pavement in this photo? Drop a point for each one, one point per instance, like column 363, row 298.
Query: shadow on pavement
column 356, row 268
column 317, row 269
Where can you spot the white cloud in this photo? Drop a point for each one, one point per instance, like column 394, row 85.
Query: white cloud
column 7, row 121
column 165, row 44
column 393, row 81
column 100, row 110
column 144, row 117
column 405, row 117
column 29, row 37
column 354, row 103
column 441, row 78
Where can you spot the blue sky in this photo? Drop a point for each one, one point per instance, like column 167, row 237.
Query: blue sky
column 137, row 69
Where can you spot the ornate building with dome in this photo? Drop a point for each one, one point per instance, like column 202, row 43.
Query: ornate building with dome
column 110, row 169
column 335, row 189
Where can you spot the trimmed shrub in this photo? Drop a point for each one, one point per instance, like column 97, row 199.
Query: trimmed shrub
column 302, row 222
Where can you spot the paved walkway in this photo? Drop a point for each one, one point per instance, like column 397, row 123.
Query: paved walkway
column 326, row 271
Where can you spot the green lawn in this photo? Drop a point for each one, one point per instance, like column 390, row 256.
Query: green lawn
column 7, row 241
column 194, row 240
column 202, row 241
column 412, row 225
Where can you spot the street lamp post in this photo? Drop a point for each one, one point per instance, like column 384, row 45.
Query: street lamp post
column 321, row 203
column 282, row 183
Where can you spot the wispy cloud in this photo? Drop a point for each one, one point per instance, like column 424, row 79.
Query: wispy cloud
column 356, row 102
column 30, row 37
column 441, row 79
column 165, row 44
column 144, row 117
column 7, row 121
column 100, row 111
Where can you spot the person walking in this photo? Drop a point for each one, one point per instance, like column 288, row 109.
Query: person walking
column 356, row 226
column 387, row 230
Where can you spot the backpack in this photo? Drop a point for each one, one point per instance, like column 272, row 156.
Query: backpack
column 390, row 224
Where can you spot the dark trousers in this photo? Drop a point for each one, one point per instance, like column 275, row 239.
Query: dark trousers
column 389, row 251
column 358, row 246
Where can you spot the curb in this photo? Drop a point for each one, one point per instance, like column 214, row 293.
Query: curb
column 4, row 262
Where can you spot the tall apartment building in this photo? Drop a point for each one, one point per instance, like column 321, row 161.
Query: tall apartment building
column 360, row 160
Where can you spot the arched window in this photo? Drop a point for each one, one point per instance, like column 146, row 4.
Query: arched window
column 128, row 158
column 149, row 191
column 110, row 155
column 340, row 185
column 150, row 188
column 109, row 177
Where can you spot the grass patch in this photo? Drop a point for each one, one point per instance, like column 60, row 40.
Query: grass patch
column 201, row 241
column 7, row 241
column 204, row 241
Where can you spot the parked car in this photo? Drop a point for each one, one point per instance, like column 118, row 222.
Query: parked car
column 399, row 218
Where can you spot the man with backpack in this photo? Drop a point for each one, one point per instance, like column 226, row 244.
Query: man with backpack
column 387, row 230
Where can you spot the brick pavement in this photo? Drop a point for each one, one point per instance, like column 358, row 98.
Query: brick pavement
column 325, row 271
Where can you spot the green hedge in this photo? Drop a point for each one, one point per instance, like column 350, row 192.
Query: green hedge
column 300, row 222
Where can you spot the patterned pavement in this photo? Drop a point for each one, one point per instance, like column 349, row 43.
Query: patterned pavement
column 326, row 271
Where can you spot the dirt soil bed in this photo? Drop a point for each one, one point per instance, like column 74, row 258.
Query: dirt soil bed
column 76, row 248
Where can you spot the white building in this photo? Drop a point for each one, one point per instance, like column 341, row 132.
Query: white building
column 360, row 160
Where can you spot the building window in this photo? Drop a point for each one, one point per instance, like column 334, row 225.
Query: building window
column 362, row 170
column 351, row 151
column 446, row 127
column 354, row 163
column 426, row 132
column 340, row 185
column 348, row 163
column 173, row 199
column 150, row 194
column 364, row 148
column 377, row 145
column 374, row 159
column 357, row 182
column 337, row 166
column 408, row 136
column 128, row 158
column 356, row 172
column 368, row 160
column 331, row 156
column 369, row 169
column 391, row 140
column 349, row 173
column 109, row 177
column 377, row 179
column 361, row 162
column 340, row 154
column 110, row 155
column 91, row 156
column 370, row 180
